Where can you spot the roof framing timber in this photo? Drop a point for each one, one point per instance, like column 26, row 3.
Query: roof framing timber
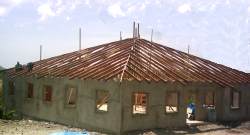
column 136, row 59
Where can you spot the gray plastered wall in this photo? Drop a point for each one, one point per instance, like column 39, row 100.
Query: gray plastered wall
column 82, row 115
column 156, row 117
column 119, row 117
column 243, row 112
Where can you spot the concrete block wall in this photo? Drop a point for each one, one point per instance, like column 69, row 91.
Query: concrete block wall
column 242, row 113
column 119, row 117
column 156, row 116
column 200, row 91
column 83, row 115
column 12, row 102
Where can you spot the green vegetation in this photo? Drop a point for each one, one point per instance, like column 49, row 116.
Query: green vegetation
column 7, row 115
column 1, row 75
column 1, row 82
column 1, row 68
column 1, row 87
column 4, row 113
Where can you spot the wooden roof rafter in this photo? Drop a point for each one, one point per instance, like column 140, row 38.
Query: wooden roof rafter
column 134, row 59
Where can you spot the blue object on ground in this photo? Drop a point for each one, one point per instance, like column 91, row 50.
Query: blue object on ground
column 192, row 107
column 70, row 133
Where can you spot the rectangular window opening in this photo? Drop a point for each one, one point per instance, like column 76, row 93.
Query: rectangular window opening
column 30, row 90
column 172, row 102
column 11, row 88
column 47, row 93
column 71, row 96
column 140, row 103
column 210, row 100
column 235, row 100
column 102, row 98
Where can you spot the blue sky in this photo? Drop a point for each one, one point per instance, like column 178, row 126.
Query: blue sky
column 217, row 30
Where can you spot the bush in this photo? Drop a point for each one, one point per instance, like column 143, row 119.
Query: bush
column 8, row 115
column 4, row 113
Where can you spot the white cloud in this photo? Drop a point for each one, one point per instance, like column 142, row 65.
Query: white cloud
column 115, row 10
column 68, row 18
column 7, row 5
column 202, row 8
column 53, row 8
column 135, row 7
column 2, row 11
column 60, row 10
column 131, row 9
column 184, row 8
column 73, row 4
column 59, row 3
column 213, row 7
column 248, row 9
column 45, row 11
column 143, row 6
column 87, row 2
column 16, row 2
column 227, row 2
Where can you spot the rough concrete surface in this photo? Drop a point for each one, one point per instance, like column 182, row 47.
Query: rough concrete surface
column 32, row 127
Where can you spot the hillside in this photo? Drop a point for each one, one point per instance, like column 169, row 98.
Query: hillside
column 2, row 68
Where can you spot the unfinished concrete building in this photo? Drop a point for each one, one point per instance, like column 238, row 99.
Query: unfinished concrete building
column 126, row 85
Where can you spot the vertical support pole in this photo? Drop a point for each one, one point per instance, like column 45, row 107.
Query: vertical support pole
column 120, row 35
column 188, row 61
column 80, row 46
column 40, row 52
column 152, row 32
column 134, row 30
column 138, row 30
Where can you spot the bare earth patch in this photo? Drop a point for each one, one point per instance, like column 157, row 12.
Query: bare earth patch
column 204, row 129
column 32, row 127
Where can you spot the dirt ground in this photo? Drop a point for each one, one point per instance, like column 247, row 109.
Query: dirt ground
column 229, row 128
column 32, row 127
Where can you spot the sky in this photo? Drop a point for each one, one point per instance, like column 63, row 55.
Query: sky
column 217, row 30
